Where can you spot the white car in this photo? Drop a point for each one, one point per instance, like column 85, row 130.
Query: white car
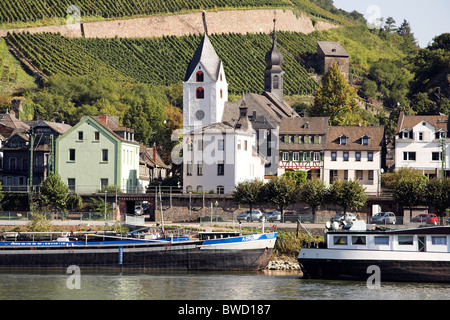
column 246, row 216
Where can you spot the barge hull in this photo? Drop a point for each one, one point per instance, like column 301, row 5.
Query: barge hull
column 401, row 271
column 241, row 253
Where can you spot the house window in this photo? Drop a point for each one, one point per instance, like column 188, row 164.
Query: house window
column 200, row 93
column 436, row 156
column 189, row 169
column 80, row 135
column 245, row 145
column 316, row 156
column 333, row 156
column 104, row 155
column 71, row 184
column 343, row 140
column 420, row 136
column 71, row 154
column 359, row 174
column 220, row 190
column 239, row 144
column 345, row 155
column 200, row 76
column 220, row 169
column 221, row 144
column 200, row 168
column 409, row 156
column 221, row 94
column 357, row 156
column 96, row 136
column 370, row 173
column 12, row 163
column 370, row 156
column 285, row 156
column 103, row 183
column 295, row 156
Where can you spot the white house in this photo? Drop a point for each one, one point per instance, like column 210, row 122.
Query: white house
column 219, row 156
column 422, row 143
column 354, row 153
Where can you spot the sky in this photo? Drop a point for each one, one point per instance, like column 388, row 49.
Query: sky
column 428, row 18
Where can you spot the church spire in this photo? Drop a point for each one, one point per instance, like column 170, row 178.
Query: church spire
column 205, row 26
column 273, row 75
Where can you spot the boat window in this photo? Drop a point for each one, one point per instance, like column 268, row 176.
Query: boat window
column 439, row 240
column 382, row 240
column 358, row 240
column 340, row 240
column 405, row 240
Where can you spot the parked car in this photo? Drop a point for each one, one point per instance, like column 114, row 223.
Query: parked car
column 384, row 218
column 429, row 218
column 271, row 216
column 291, row 216
column 138, row 210
column 246, row 216
column 340, row 217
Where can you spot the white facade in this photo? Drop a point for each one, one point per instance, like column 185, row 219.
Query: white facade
column 423, row 147
column 351, row 165
column 218, row 157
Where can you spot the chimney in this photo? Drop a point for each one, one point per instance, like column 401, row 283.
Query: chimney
column 103, row 118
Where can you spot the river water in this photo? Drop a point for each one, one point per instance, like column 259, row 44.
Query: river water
column 200, row 286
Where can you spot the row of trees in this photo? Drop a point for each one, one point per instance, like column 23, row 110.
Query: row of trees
column 410, row 189
column 293, row 187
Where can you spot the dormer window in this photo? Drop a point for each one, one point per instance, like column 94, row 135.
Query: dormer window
column 406, row 134
column 200, row 76
column 343, row 140
column 365, row 140
column 441, row 134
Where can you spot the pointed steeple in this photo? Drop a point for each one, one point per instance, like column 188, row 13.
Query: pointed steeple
column 273, row 75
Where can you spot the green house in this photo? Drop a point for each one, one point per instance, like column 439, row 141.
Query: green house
column 96, row 153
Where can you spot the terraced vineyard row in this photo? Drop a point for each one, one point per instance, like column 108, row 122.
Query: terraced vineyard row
column 164, row 60
column 33, row 10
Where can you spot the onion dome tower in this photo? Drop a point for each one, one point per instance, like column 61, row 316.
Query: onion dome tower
column 274, row 75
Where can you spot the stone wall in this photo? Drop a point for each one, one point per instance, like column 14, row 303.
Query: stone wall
column 237, row 21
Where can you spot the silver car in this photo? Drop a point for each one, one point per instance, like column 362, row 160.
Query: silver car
column 384, row 218
column 255, row 215
column 271, row 216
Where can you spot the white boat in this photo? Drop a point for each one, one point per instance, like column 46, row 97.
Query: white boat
column 412, row 255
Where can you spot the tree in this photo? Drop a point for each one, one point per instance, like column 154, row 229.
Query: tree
column 389, row 25
column 299, row 176
column 54, row 193
column 312, row 192
column 409, row 45
column 282, row 192
column 348, row 194
column 437, row 194
column 249, row 192
column 410, row 191
column 335, row 99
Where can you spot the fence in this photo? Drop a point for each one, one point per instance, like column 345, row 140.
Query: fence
column 82, row 216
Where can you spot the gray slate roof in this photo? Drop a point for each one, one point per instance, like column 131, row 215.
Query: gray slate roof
column 332, row 49
column 207, row 56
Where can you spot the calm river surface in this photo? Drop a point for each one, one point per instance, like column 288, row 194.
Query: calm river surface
column 93, row 285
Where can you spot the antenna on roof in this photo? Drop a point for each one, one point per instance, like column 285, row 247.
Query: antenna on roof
column 205, row 27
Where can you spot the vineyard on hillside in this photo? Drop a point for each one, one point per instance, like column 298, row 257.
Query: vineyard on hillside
column 164, row 60
column 33, row 10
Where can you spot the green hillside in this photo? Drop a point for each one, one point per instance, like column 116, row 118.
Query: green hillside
column 162, row 61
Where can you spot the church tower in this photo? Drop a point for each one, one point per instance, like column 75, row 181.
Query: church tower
column 274, row 75
column 205, row 89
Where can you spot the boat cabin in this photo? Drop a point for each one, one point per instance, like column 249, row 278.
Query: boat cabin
column 427, row 239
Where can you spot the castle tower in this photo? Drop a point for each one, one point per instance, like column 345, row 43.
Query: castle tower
column 274, row 75
column 205, row 89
